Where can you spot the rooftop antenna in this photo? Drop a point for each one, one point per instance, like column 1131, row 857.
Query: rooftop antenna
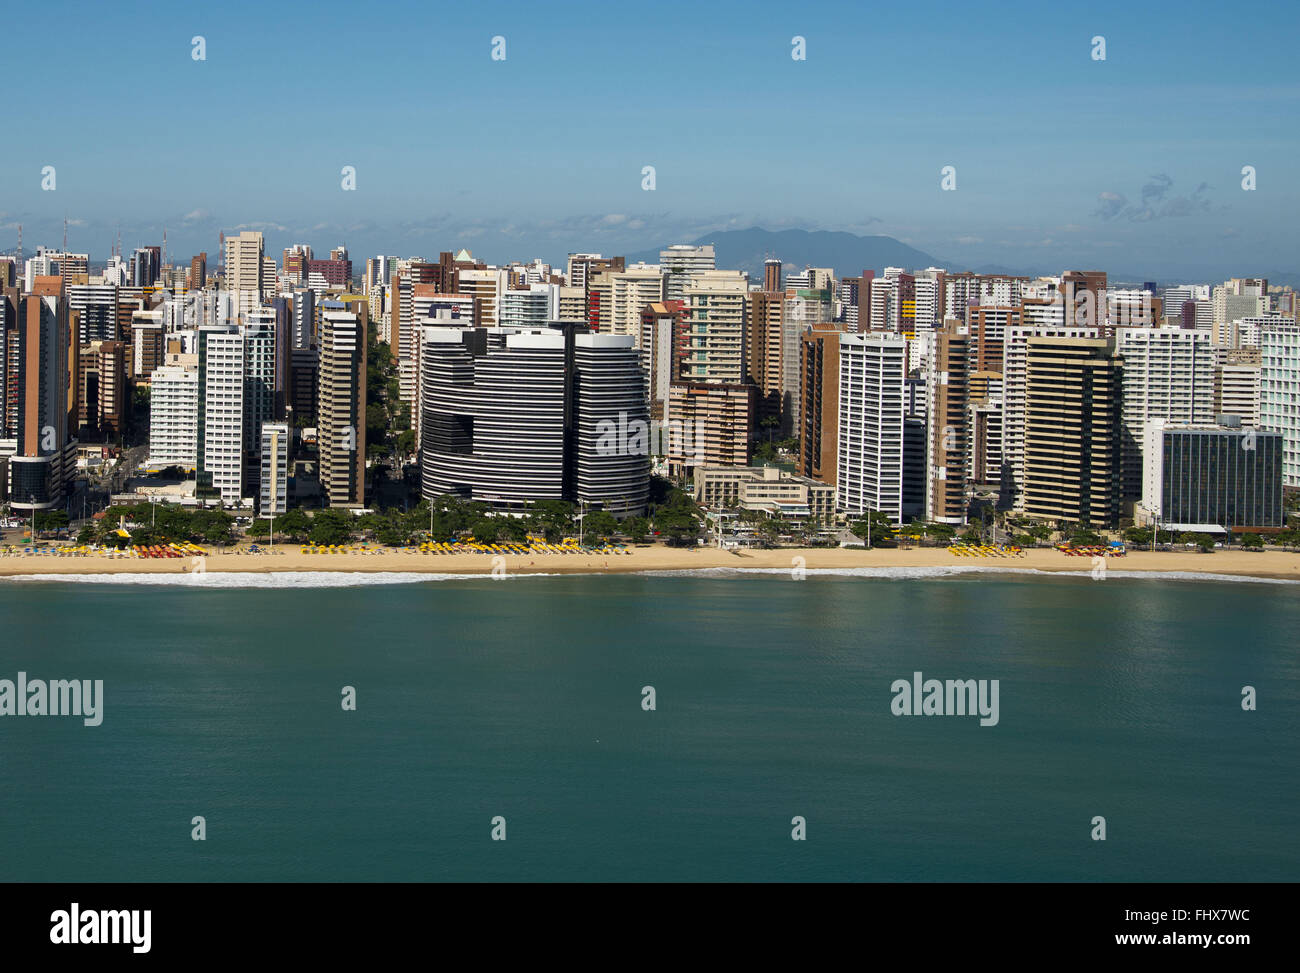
column 221, row 253
column 65, row 232
column 20, row 241
column 163, row 261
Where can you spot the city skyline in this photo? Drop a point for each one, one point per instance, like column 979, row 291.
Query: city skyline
column 1133, row 162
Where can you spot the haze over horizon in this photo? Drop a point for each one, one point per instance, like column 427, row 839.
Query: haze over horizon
column 1132, row 163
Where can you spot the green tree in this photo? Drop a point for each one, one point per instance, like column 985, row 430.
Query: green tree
column 599, row 523
column 1204, row 542
column 876, row 526
column 1252, row 542
column 293, row 524
column 637, row 529
column 486, row 530
column 331, row 526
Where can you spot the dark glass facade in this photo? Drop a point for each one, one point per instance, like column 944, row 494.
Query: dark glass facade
column 1232, row 478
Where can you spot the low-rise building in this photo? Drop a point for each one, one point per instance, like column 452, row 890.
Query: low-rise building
column 767, row 489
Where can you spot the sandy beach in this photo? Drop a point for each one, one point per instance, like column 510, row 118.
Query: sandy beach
column 1278, row 565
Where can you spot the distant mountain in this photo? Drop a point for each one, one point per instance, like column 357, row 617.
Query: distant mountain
column 848, row 253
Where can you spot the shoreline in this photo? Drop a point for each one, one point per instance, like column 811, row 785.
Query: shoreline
column 1266, row 565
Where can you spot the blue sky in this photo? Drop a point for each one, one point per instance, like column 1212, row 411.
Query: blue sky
column 1132, row 163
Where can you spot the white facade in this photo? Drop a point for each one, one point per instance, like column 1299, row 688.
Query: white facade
column 1279, row 395
column 274, row 494
column 869, row 465
column 716, row 326
column 244, row 268
column 223, row 412
column 679, row 262
column 1168, row 374
column 174, row 417
column 630, row 293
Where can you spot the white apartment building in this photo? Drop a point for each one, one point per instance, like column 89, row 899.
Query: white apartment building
column 222, row 387
column 488, row 286
column 1168, row 374
column 531, row 308
column 630, row 293
column 716, row 325
column 274, row 492
column 244, row 271
column 1279, row 394
column 679, row 262
column 869, row 464
column 174, row 416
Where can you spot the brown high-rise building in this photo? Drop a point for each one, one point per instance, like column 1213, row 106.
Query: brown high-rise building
column 819, row 392
column 198, row 272
column 709, row 425
column 856, row 309
column 768, row 358
column 342, row 404
column 949, row 394
column 771, row 274
column 39, row 470
column 1085, row 298
column 101, row 389
column 1072, row 453
column 11, row 370
column 988, row 330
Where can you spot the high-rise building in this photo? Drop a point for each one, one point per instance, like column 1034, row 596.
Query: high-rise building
column 1168, row 374
column 716, row 325
column 663, row 342
column 44, row 460
column 1237, row 384
column 11, row 369
column 819, row 385
column 631, row 292
column 146, row 266
column 222, row 364
column 771, row 275
column 174, row 415
column 1084, row 296
column 198, row 278
column 708, row 425
column 680, row 262
column 1219, row 476
column 341, row 426
column 948, row 387
column 532, row 307
column 1279, row 394
column 486, row 287
column 101, row 390
column 96, row 308
column 244, row 273
column 869, row 465
column 766, row 357
column 1015, row 369
column 516, row 416
column 148, row 343
column 332, row 274
column 1072, row 455
column 273, row 495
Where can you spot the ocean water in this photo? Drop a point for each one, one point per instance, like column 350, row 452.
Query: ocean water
column 522, row 699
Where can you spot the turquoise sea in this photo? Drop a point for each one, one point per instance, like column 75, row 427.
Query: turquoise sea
column 522, row 698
